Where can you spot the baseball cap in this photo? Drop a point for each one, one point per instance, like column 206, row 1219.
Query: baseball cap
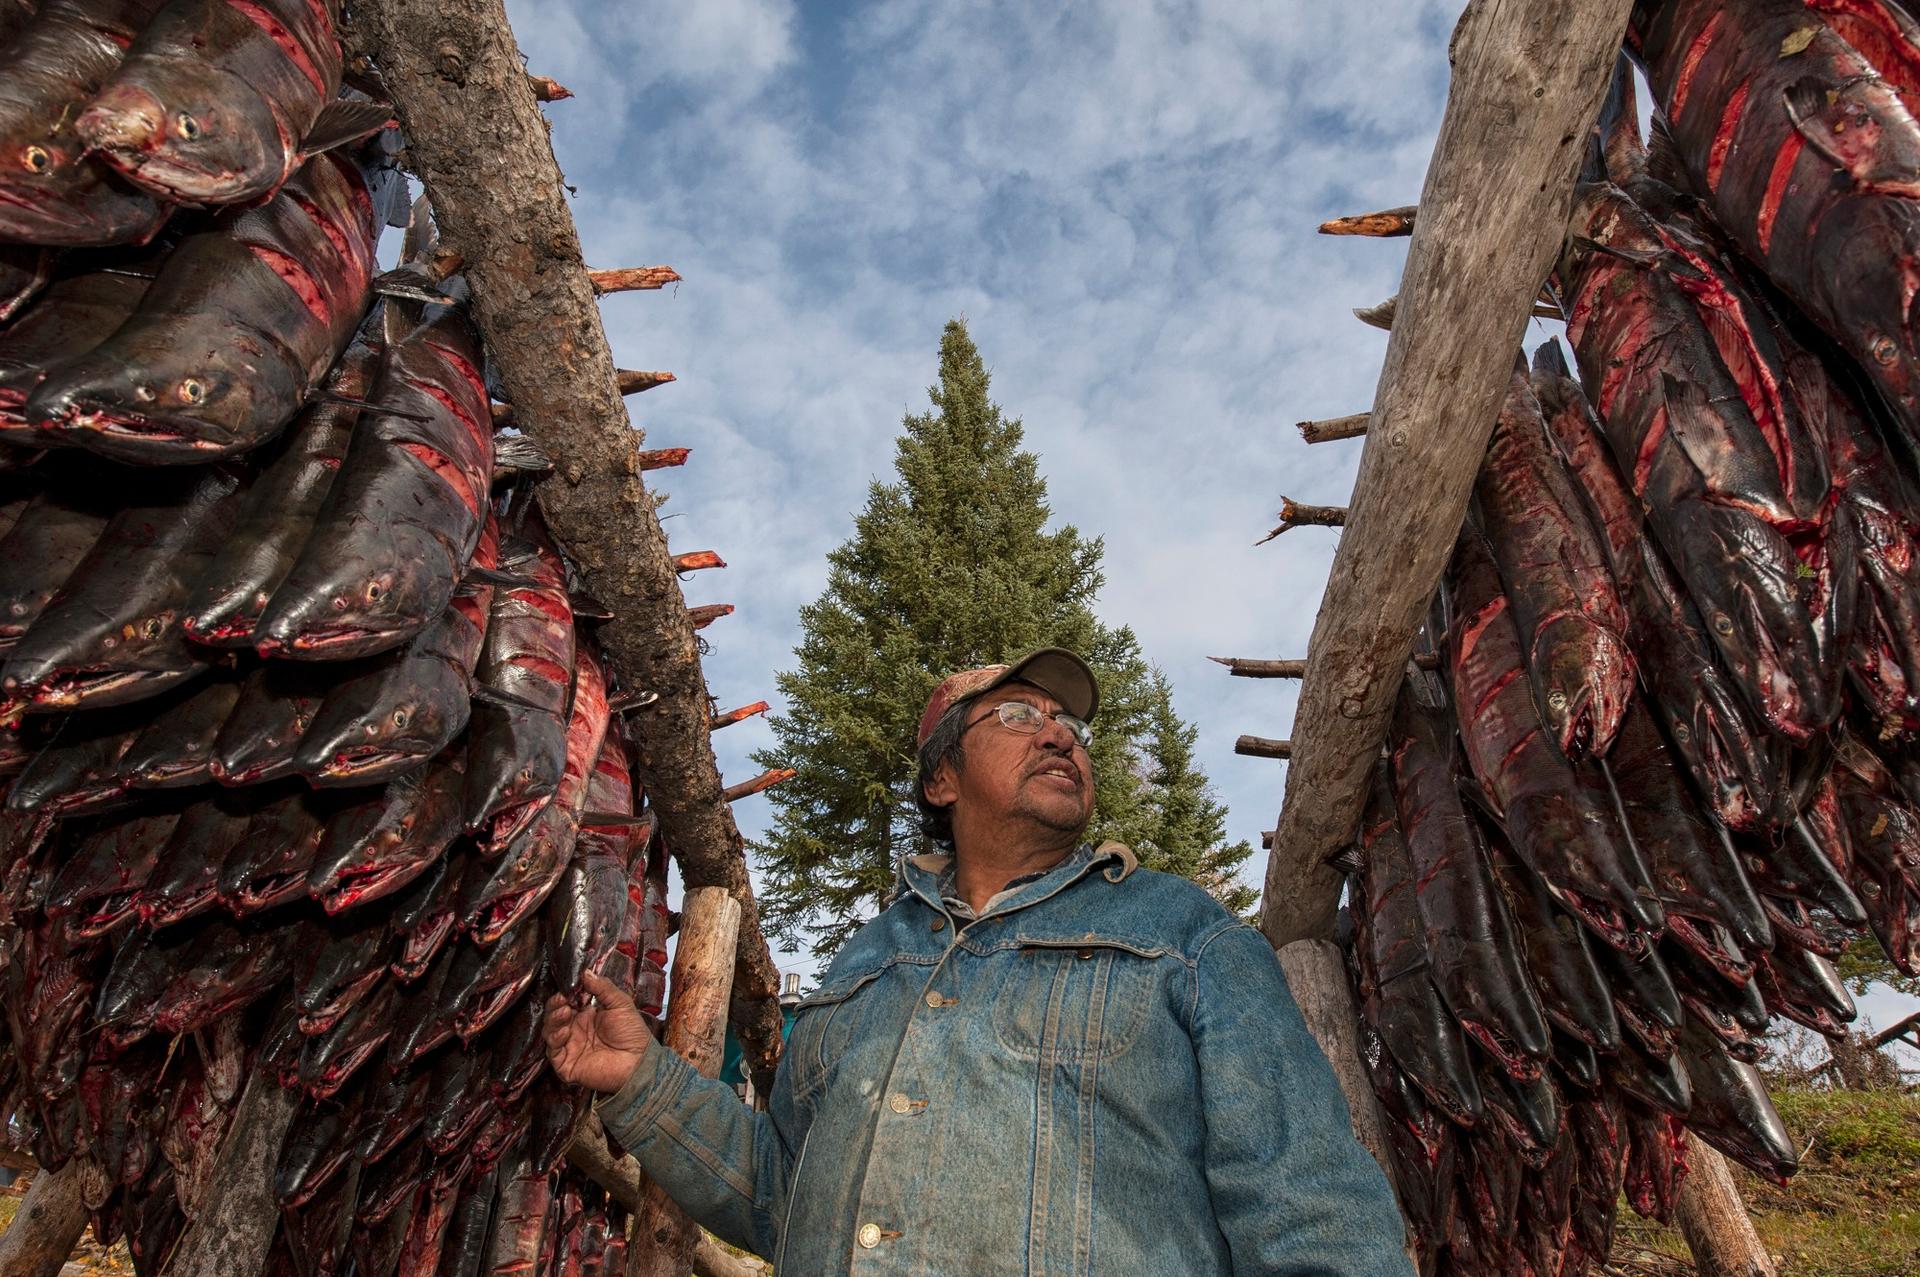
column 1054, row 670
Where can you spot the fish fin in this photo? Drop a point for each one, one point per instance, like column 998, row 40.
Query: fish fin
column 626, row 702
column 1476, row 797
column 1347, row 860
column 1631, row 256
column 1624, row 154
column 409, row 285
column 629, row 819
column 345, row 121
column 1806, row 103
column 1550, row 360
column 421, row 232
column 519, row 453
column 365, row 405
column 1663, row 156
column 588, row 608
column 504, row 700
column 1686, row 400
column 494, row 576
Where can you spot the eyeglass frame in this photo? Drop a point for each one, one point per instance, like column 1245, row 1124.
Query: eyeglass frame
column 1083, row 737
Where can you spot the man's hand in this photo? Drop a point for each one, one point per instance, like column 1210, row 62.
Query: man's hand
column 596, row 1046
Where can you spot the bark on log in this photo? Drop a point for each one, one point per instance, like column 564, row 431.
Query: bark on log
column 1334, row 428
column 765, row 780
column 234, row 1226
column 47, row 1224
column 478, row 142
column 1316, row 972
column 707, row 613
column 740, row 715
column 1263, row 747
column 547, row 89
column 663, row 1237
column 630, row 380
column 1714, row 1220
column 1295, row 515
column 1527, row 85
column 1381, row 315
column 1386, row 224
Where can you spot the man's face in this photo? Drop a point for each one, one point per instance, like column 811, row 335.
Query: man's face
column 1044, row 778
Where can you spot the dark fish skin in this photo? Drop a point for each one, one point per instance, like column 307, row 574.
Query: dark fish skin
column 532, row 865
column 98, row 887
column 515, row 756
column 24, row 271
column 331, row 976
column 155, row 1221
column 491, row 1141
column 1644, row 998
column 466, row 1238
column 1731, row 1110
column 427, row 915
column 1659, row 1083
column 1795, row 869
column 212, row 101
column 1885, row 34
column 1574, row 843
column 1694, row 867
column 241, row 323
column 112, row 633
column 1572, row 991
column 186, row 878
column 419, row 1024
column 427, row 1231
column 404, row 515
column 556, row 1110
column 650, row 980
column 374, row 1246
column 319, row 1231
column 129, row 995
column 1400, row 1000
column 396, row 1105
column 51, row 537
column 122, row 1096
column 408, row 704
column 76, row 769
column 50, row 984
column 51, row 191
column 1526, row 1111
column 460, row 1100
column 1809, row 160
column 1555, row 575
column 1883, row 830
column 279, row 511
column 229, row 969
column 386, row 1187
column 1423, row 1141
column 175, row 749
column 587, row 910
column 276, row 704
column 377, row 847
column 516, row 1051
column 77, row 312
column 269, row 865
column 1656, row 1159
column 330, row 1059
column 484, row 983
column 1581, row 444
column 1736, row 1014
column 1469, row 935
column 199, row 1114
column 520, row 1212
column 1803, row 986
column 318, row 1146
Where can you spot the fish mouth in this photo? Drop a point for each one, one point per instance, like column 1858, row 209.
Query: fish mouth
column 358, row 761
column 1516, row 1063
column 510, row 821
column 267, row 891
column 322, row 640
column 491, row 920
column 363, row 883
column 117, row 421
column 1694, row 934
column 105, row 916
column 1605, row 920
column 70, row 689
column 1794, row 919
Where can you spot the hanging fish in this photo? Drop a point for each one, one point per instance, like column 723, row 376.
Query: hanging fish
column 175, row 749
column 587, row 910
column 46, row 543
column 1731, row 1109
column 484, row 982
column 269, row 865
column 404, row 515
column 258, row 741
column 219, row 104
column 379, row 846
column 77, row 312
column 51, row 190
column 233, row 336
column 186, row 879
column 98, row 887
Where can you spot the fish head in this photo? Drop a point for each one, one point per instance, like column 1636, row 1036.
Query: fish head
column 1584, row 681
column 359, row 602
column 1751, row 590
column 349, row 743
column 189, row 131
column 191, row 388
column 51, row 193
column 529, row 869
column 508, row 789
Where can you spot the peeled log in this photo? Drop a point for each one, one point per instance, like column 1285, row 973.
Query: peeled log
column 1334, row 428
column 1263, row 747
column 1713, row 1219
column 1386, row 224
column 234, row 1228
column 694, row 560
column 663, row 1236
column 478, row 142
column 1295, row 515
column 745, row 712
column 662, row 458
column 631, row 279
column 47, row 1223
column 547, row 89
column 707, row 613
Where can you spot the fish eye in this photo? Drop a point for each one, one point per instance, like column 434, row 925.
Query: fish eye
column 186, row 126
column 1722, row 625
column 374, row 591
column 193, row 390
column 152, row 627
column 1557, row 701
column 1883, row 350
column 400, row 718
column 1681, row 733
column 36, row 159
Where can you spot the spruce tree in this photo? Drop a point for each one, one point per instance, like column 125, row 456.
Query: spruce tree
column 950, row 566
column 1184, row 830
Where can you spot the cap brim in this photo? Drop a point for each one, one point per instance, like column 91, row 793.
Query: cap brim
column 1060, row 674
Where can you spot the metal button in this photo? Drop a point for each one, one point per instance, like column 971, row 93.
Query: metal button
column 898, row 1102
column 933, row 999
column 1085, row 954
column 869, row 1235
column 939, row 924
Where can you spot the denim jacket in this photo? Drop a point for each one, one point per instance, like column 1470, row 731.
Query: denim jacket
column 1104, row 1073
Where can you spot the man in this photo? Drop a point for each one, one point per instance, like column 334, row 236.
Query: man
column 1040, row 1058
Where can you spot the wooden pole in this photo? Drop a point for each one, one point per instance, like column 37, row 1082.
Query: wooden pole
column 1713, row 1219
column 477, row 140
column 1263, row 747
column 1295, row 515
column 1386, row 224
column 1527, row 84
column 234, row 1224
column 1334, row 428
column 663, row 1238
column 47, row 1225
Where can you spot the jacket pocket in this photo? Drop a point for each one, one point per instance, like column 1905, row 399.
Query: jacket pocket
column 1069, row 1000
column 825, row 1023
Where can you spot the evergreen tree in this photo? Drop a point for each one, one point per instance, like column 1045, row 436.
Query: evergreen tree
column 1184, row 831
column 949, row 567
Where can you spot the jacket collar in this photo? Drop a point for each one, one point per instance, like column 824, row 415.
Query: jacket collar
column 922, row 874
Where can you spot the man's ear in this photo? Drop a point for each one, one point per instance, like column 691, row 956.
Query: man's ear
column 941, row 790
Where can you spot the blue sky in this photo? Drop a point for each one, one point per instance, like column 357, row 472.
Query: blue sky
column 1120, row 199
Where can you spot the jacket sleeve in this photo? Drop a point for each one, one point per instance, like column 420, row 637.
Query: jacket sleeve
column 1295, row 1194
column 725, row 1164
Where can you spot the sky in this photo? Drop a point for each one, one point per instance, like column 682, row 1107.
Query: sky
column 1120, row 200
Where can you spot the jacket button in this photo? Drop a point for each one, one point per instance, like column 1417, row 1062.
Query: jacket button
column 869, row 1235
column 939, row 924
column 933, row 999
column 898, row 1102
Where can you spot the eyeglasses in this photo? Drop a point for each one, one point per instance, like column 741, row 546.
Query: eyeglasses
column 1018, row 716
